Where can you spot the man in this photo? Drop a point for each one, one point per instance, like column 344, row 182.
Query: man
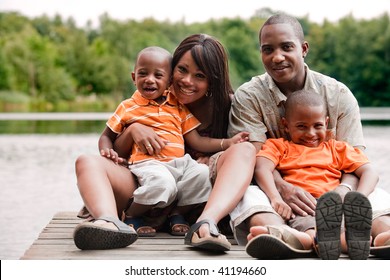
column 258, row 107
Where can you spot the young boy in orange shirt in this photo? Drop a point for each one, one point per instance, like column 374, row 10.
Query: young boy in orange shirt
column 310, row 160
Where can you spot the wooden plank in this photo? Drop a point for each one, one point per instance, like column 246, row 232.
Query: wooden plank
column 56, row 242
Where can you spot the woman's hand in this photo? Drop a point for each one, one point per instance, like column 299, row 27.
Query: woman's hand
column 204, row 160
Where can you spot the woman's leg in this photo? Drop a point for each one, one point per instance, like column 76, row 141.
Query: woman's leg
column 234, row 174
column 104, row 186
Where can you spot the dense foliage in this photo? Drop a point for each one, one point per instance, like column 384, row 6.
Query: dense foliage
column 52, row 61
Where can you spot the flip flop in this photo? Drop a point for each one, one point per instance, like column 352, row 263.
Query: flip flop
column 211, row 243
column 91, row 236
column 382, row 252
column 279, row 243
column 177, row 220
column 329, row 214
column 137, row 223
column 358, row 220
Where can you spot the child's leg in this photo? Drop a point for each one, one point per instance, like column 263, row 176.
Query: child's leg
column 133, row 218
column 157, row 189
column 193, row 187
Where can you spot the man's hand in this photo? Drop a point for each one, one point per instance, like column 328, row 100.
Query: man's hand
column 301, row 202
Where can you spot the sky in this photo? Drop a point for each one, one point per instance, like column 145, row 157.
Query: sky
column 194, row 11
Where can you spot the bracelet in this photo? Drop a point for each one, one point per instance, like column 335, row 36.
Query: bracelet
column 348, row 186
column 222, row 143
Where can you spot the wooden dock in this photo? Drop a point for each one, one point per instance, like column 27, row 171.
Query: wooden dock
column 55, row 242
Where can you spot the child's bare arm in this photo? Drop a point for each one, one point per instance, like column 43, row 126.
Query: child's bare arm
column 106, row 147
column 368, row 179
column 264, row 177
column 211, row 145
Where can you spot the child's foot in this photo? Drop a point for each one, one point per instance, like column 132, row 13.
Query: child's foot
column 178, row 225
column 328, row 214
column 139, row 225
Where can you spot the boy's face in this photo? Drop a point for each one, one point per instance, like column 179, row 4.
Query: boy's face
column 307, row 125
column 152, row 74
column 283, row 55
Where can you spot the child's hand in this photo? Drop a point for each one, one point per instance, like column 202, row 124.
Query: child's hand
column 204, row 160
column 238, row 138
column 282, row 209
column 112, row 155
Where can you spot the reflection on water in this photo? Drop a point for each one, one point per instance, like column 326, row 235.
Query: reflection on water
column 37, row 180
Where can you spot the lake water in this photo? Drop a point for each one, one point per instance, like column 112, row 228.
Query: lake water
column 37, row 180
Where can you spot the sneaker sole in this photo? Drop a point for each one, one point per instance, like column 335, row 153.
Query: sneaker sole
column 358, row 220
column 329, row 213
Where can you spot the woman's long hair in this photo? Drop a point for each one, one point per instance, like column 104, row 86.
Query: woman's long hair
column 211, row 58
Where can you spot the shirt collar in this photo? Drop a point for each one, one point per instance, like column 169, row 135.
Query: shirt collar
column 279, row 96
column 140, row 100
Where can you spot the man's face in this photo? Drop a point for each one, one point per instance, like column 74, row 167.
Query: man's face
column 283, row 55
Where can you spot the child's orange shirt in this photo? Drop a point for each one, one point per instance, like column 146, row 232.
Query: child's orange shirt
column 170, row 120
column 317, row 170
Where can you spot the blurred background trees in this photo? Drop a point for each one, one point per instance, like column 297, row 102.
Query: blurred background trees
column 50, row 64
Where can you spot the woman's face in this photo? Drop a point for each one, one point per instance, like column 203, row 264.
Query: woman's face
column 189, row 83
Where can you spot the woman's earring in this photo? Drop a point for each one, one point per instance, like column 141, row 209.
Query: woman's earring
column 208, row 94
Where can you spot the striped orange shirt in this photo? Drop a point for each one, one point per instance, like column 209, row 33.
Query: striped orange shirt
column 170, row 120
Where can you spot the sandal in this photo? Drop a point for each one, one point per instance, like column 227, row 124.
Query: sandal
column 178, row 220
column 279, row 243
column 328, row 214
column 91, row 236
column 139, row 225
column 358, row 220
column 382, row 252
column 212, row 243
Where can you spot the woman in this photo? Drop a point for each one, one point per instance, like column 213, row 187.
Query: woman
column 201, row 81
